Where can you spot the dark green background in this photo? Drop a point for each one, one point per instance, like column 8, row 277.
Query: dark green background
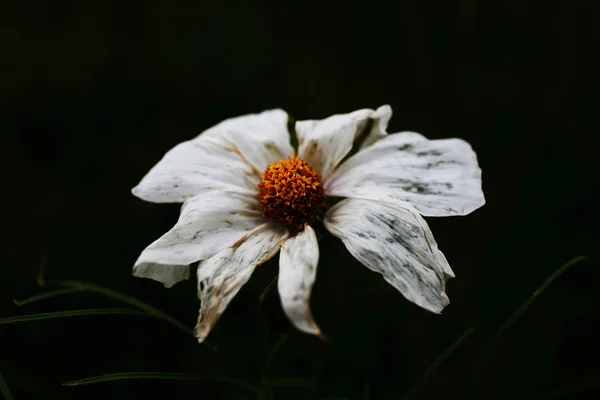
column 92, row 94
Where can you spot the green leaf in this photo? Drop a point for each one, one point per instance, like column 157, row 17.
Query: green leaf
column 71, row 313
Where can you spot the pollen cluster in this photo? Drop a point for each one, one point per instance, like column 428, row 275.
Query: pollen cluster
column 291, row 193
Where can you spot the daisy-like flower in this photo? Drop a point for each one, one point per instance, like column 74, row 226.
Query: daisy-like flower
column 248, row 194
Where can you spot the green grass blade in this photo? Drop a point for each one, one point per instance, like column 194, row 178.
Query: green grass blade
column 434, row 366
column 478, row 369
column 513, row 318
column 4, row 389
column 71, row 313
column 131, row 301
column 68, row 287
column 44, row 296
column 164, row 376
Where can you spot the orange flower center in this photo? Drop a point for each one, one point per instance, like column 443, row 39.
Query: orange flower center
column 291, row 193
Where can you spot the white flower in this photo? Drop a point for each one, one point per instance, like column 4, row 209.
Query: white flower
column 247, row 195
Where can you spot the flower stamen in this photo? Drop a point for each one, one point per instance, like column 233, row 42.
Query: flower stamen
column 291, row 193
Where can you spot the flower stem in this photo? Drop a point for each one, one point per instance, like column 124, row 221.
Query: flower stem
column 264, row 383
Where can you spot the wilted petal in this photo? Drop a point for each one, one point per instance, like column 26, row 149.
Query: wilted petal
column 222, row 276
column 164, row 273
column 192, row 168
column 439, row 256
column 378, row 130
column 297, row 271
column 230, row 155
column 393, row 239
column 260, row 139
column 324, row 143
column 439, row 177
column 207, row 224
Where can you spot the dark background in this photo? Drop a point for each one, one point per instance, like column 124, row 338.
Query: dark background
column 92, row 94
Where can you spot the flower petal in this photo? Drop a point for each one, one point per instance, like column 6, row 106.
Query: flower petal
column 164, row 273
column 192, row 168
column 394, row 240
column 260, row 139
column 439, row 177
column 230, row 155
column 324, row 143
column 222, row 276
column 380, row 120
column 207, row 224
column 297, row 271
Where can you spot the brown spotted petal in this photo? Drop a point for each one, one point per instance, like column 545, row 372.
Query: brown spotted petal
column 323, row 144
column 297, row 272
column 192, row 168
column 439, row 177
column 208, row 223
column 223, row 275
column 230, row 155
column 394, row 240
column 259, row 139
